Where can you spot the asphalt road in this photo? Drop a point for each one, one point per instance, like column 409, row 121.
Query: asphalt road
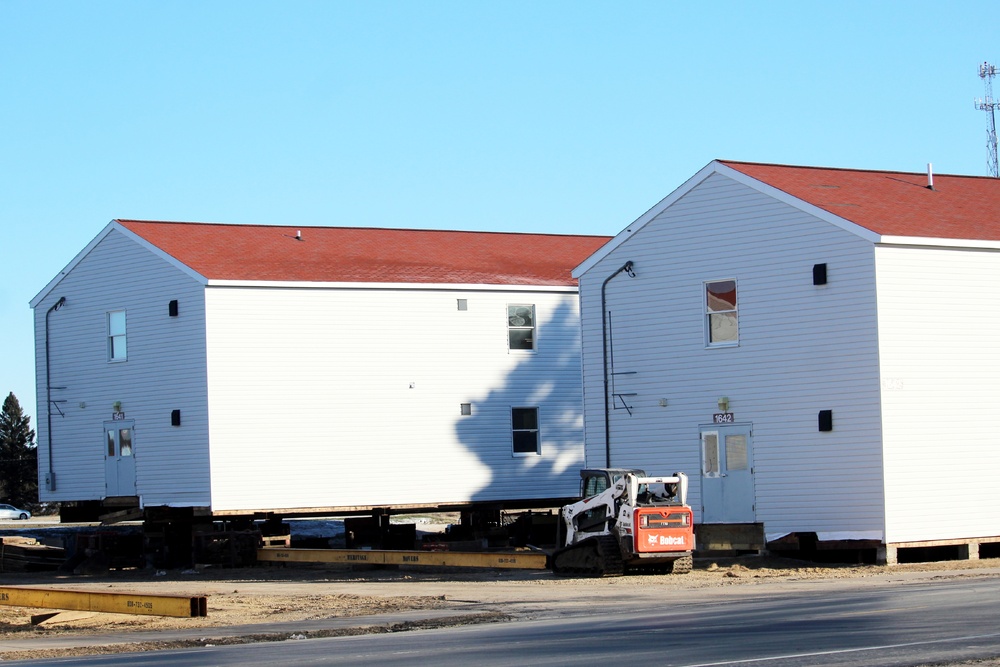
column 824, row 624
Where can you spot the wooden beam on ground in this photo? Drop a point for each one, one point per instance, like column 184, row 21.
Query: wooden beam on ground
column 131, row 514
column 115, row 603
column 518, row 560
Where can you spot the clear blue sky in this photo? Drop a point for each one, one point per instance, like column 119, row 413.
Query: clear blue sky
column 545, row 116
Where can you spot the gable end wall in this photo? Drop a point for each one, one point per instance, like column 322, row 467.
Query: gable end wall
column 803, row 348
column 164, row 371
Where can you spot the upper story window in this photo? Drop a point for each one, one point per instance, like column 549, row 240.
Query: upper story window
column 721, row 318
column 524, row 431
column 116, row 336
column 521, row 327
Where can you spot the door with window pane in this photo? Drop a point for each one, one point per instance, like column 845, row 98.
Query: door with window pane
column 727, row 474
column 119, row 458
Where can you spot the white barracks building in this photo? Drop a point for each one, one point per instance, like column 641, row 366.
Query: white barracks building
column 236, row 368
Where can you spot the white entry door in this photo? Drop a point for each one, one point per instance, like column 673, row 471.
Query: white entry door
column 727, row 474
column 119, row 458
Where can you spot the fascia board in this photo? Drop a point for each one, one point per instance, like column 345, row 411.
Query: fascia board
column 69, row 267
column 643, row 219
column 800, row 204
column 113, row 226
column 439, row 287
column 162, row 254
column 716, row 167
column 924, row 241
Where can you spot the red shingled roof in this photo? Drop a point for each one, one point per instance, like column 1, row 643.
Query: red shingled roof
column 353, row 254
column 892, row 203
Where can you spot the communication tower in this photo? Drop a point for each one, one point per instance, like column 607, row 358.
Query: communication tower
column 988, row 104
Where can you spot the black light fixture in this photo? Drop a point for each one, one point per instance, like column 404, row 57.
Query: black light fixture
column 819, row 274
column 175, row 417
column 172, row 308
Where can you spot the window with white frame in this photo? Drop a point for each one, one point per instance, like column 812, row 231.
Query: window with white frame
column 721, row 318
column 116, row 336
column 521, row 326
column 524, row 431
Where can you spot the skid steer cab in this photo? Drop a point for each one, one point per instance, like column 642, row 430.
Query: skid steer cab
column 627, row 521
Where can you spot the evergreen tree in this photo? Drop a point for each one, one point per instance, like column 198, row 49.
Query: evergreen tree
column 18, row 455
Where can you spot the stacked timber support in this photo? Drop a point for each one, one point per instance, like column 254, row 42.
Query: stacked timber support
column 960, row 549
column 25, row 554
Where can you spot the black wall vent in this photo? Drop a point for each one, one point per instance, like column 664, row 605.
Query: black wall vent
column 819, row 274
column 172, row 308
column 175, row 417
column 826, row 420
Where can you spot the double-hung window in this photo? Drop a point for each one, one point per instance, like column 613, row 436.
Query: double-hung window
column 521, row 326
column 117, row 350
column 721, row 315
column 524, row 431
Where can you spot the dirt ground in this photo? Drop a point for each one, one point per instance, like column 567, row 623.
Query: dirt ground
column 273, row 602
column 277, row 594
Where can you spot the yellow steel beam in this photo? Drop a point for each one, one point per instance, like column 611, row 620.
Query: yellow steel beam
column 518, row 560
column 116, row 603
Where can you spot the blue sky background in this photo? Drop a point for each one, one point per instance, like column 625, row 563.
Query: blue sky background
column 563, row 117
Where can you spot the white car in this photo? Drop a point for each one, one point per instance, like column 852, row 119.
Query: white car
column 11, row 512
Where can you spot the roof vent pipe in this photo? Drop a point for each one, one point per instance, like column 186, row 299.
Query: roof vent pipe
column 930, row 176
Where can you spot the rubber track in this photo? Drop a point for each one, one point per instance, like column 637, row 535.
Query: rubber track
column 681, row 565
column 593, row 557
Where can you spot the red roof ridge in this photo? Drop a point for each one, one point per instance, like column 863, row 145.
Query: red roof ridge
column 848, row 169
column 126, row 221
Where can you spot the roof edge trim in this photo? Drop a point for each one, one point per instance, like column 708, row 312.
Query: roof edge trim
column 939, row 242
column 795, row 202
column 51, row 285
column 437, row 287
column 159, row 252
column 114, row 225
column 643, row 219
column 719, row 167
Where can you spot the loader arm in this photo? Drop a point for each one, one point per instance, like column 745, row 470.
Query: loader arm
column 592, row 516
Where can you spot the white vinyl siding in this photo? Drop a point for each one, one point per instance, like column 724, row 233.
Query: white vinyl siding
column 939, row 337
column 165, row 371
column 310, row 412
column 802, row 348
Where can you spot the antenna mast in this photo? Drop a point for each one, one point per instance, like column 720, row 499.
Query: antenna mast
column 986, row 73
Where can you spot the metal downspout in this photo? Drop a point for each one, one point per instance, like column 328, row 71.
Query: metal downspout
column 627, row 268
column 50, row 478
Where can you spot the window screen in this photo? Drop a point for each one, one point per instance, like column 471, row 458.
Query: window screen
column 736, row 452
